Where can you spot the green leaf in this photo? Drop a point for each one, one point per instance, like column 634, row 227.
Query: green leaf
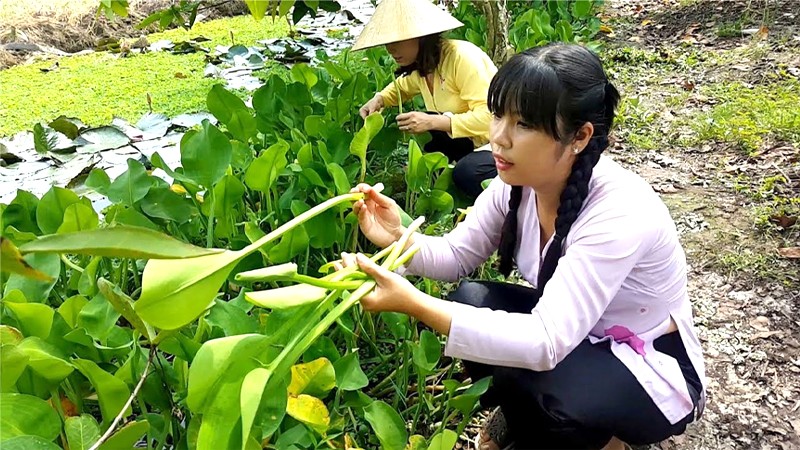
column 127, row 436
column 581, row 9
column 98, row 181
column 180, row 346
column 287, row 297
column 22, row 415
column 264, row 170
column 34, row 319
column 44, row 139
column 316, row 378
column 78, row 217
column 21, row 212
column 163, row 203
column 314, row 125
column 310, row 411
column 45, row 359
column 11, row 261
column 111, row 391
column 82, row 432
column 228, row 194
column 217, row 359
column 87, row 284
column 174, row 295
column 131, row 186
column 51, row 208
column 10, row 335
column 387, row 425
column 120, row 241
column 303, row 73
column 215, row 384
column 466, row 402
column 70, row 309
column 446, row 440
column 358, row 146
column 230, row 319
column 323, row 347
column 349, row 376
column 257, row 8
column 340, row 180
column 64, row 125
column 123, row 305
column 564, row 31
column 29, row 443
column 98, row 317
column 417, row 442
column 265, row 398
column 231, row 111
column 34, row 290
column 12, row 363
column 292, row 243
column 205, row 154
column 121, row 214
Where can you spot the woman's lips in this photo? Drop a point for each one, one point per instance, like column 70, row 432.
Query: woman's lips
column 501, row 163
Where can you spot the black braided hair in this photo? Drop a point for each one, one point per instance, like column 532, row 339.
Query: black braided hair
column 556, row 89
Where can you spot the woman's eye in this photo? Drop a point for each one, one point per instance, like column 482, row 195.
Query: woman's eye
column 523, row 125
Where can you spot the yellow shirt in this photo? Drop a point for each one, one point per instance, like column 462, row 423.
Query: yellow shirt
column 460, row 86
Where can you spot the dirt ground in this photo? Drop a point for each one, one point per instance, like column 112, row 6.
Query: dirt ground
column 746, row 296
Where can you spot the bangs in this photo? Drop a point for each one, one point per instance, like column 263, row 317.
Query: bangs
column 526, row 87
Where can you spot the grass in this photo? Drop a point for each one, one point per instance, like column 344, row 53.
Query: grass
column 750, row 117
column 97, row 87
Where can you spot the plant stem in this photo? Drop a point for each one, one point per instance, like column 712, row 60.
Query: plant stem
column 56, row 398
column 210, row 228
column 70, row 264
column 311, row 213
column 127, row 405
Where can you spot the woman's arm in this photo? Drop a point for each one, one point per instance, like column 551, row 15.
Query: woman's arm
column 473, row 72
column 407, row 85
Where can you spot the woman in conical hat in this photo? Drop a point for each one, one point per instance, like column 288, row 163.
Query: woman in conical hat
column 452, row 76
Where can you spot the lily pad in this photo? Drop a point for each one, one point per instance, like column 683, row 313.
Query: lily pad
column 101, row 139
column 193, row 119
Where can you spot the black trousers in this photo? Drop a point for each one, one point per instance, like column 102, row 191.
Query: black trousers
column 471, row 167
column 582, row 403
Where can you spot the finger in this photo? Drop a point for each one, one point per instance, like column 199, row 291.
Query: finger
column 337, row 266
column 380, row 199
column 349, row 259
column 403, row 116
column 370, row 268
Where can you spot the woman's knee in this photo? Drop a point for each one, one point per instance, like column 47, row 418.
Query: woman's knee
column 472, row 170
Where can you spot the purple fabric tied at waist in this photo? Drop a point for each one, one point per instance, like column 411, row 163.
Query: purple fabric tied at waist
column 623, row 335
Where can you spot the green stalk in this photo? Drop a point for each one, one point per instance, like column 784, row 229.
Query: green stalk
column 321, row 282
column 210, row 228
column 310, row 214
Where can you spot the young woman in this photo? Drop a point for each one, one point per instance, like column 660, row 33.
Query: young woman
column 602, row 350
column 452, row 76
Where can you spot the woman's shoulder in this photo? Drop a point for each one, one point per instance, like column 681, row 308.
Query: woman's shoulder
column 460, row 51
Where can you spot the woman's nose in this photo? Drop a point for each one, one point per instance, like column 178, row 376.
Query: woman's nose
column 499, row 133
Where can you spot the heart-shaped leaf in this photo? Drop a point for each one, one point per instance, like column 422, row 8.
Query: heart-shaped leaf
column 11, row 261
column 51, row 208
column 264, row 170
column 131, row 186
column 205, row 154
column 349, row 376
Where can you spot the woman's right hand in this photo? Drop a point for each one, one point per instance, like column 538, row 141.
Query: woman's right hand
column 375, row 104
column 378, row 215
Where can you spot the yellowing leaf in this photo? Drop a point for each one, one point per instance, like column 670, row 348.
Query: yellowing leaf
column 316, row 378
column 309, row 410
column 606, row 29
column 11, row 261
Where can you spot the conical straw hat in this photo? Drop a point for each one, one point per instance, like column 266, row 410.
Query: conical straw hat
column 398, row 20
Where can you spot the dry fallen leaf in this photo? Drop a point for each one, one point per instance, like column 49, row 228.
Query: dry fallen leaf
column 180, row 75
column 765, row 335
column 606, row 29
column 790, row 252
column 783, row 220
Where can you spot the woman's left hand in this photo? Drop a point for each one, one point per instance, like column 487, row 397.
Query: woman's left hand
column 392, row 292
column 416, row 122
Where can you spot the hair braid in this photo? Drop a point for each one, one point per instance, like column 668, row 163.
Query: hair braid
column 508, row 234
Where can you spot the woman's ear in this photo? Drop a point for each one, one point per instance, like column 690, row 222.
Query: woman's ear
column 582, row 136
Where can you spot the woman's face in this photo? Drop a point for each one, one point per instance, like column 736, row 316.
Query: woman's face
column 528, row 157
column 404, row 52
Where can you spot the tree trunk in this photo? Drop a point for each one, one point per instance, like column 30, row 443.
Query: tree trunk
column 496, row 29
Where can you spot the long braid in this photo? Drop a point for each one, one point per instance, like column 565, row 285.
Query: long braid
column 508, row 234
column 571, row 203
